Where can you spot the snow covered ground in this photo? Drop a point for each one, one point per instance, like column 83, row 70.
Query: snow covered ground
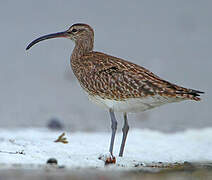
column 36, row 146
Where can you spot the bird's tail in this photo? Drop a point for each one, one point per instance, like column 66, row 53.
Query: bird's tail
column 190, row 94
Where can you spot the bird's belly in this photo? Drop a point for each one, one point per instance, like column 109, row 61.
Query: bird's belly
column 133, row 104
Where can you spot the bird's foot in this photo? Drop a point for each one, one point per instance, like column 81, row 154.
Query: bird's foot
column 107, row 158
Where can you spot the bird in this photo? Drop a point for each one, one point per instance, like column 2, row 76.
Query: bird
column 114, row 83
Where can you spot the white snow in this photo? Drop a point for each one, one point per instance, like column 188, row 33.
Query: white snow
column 83, row 149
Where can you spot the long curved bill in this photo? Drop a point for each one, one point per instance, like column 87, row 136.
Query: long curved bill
column 49, row 36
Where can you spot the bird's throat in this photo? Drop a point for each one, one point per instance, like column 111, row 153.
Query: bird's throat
column 81, row 48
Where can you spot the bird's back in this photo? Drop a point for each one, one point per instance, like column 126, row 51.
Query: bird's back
column 116, row 79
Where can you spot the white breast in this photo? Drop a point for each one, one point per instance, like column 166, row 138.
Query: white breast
column 133, row 104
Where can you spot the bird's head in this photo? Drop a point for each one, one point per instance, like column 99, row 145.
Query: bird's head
column 77, row 32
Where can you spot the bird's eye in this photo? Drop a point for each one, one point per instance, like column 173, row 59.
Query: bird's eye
column 74, row 30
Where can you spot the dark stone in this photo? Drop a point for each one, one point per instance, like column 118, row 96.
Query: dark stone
column 52, row 161
column 55, row 124
column 61, row 167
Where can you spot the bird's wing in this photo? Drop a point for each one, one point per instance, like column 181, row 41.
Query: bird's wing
column 114, row 78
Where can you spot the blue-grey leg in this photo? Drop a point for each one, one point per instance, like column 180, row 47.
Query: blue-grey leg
column 125, row 130
column 114, row 128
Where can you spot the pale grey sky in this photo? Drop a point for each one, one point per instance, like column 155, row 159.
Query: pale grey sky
column 171, row 38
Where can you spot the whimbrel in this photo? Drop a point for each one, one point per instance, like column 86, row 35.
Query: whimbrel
column 116, row 84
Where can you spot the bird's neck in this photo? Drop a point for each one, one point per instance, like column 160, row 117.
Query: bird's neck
column 82, row 47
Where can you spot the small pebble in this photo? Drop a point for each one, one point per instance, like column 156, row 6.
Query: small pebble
column 52, row 161
column 61, row 167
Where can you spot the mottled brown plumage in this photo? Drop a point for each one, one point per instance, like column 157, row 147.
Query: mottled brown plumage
column 117, row 84
column 114, row 78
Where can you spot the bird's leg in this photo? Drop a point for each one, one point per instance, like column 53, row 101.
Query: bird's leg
column 125, row 130
column 114, row 128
